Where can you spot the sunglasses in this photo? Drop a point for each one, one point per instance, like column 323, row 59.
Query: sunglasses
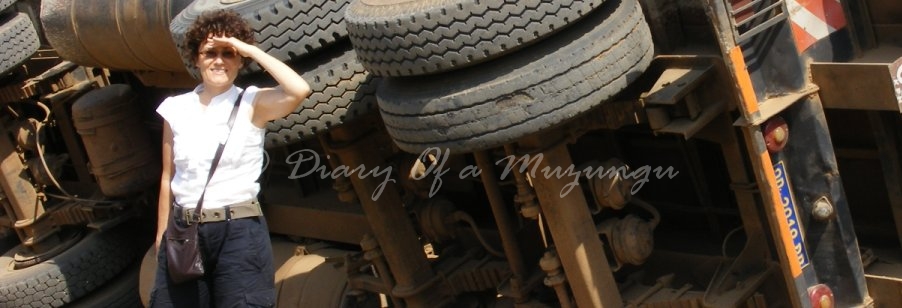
column 214, row 53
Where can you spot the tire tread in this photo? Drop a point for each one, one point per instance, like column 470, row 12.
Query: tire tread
column 499, row 102
column 431, row 36
column 19, row 40
column 286, row 29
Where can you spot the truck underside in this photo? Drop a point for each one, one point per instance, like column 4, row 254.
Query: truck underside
column 586, row 153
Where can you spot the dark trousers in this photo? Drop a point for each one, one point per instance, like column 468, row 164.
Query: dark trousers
column 238, row 265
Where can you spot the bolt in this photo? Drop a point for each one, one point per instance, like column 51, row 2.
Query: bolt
column 822, row 209
column 779, row 135
column 530, row 211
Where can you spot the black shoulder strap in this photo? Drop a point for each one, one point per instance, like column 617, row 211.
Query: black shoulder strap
column 200, row 202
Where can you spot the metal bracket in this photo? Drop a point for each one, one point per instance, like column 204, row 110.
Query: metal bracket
column 675, row 83
column 873, row 82
column 772, row 106
column 673, row 105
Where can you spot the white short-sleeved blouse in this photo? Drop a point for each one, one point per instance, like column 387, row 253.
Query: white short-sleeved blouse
column 197, row 132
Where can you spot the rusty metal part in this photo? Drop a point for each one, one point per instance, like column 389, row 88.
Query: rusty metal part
column 13, row 93
column 25, row 257
column 551, row 264
column 172, row 80
column 609, row 187
column 342, row 185
column 873, row 82
column 38, row 235
column 477, row 276
column 685, row 98
column 324, row 218
column 572, row 228
column 345, row 190
column 752, row 261
column 526, row 196
column 674, row 105
column 54, row 168
column 43, row 173
column 743, row 290
column 663, row 294
column 528, row 208
column 26, row 134
column 661, row 283
column 631, row 238
column 777, row 103
column 85, row 212
column 505, row 224
column 16, row 186
column 727, row 288
column 66, row 82
column 755, row 301
column 611, row 115
column 358, row 144
column 373, row 254
column 439, row 220
column 461, row 216
column 61, row 75
column 656, row 216
column 434, row 217
column 675, row 84
column 119, row 34
column 110, row 124
column 26, row 208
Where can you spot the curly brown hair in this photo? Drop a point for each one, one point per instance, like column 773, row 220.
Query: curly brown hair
column 218, row 23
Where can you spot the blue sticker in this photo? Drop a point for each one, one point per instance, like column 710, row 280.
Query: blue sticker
column 789, row 211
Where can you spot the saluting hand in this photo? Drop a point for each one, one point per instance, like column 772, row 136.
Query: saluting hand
column 243, row 49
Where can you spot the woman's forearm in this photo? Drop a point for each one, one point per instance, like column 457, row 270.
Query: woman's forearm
column 291, row 83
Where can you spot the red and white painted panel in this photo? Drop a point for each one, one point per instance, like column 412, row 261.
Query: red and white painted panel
column 813, row 20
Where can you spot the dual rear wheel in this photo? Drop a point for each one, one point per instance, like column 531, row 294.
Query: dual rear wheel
column 551, row 69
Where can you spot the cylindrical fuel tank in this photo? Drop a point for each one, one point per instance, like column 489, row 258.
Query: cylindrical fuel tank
column 115, row 34
column 118, row 145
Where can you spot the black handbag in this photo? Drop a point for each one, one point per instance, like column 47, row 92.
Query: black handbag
column 183, row 257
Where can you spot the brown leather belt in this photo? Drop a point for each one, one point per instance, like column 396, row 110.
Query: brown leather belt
column 250, row 208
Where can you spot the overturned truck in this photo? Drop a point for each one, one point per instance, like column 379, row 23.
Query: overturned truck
column 581, row 153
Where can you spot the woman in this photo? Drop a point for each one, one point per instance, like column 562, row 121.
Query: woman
column 234, row 238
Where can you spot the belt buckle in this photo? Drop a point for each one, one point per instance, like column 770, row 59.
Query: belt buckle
column 191, row 217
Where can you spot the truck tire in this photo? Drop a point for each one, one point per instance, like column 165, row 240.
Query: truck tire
column 285, row 29
column 70, row 275
column 342, row 91
column 5, row 4
column 119, row 292
column 19, row 40
column 417, row 37
column 532, row 90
